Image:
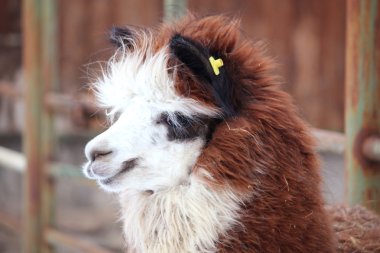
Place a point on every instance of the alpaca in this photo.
(205, 154)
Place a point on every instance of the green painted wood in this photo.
(39, 47)
(174, 9)
(32, 135)
(50, 74)
(362, 101)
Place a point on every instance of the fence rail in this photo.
(59, 238)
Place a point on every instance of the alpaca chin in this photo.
(185, 218)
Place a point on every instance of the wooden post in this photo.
(363, 102)
(50, 74)
(39, 47)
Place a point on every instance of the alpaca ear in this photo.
(121, 36)
(197, 58)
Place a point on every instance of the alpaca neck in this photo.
(185, 218)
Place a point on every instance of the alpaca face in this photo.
(158, 135)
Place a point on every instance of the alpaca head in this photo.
(212, 156)
(164, 100)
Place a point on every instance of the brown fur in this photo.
(357, 229)
(265, 153)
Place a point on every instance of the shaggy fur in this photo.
(264, 152)
(254, 185)
(357, 229)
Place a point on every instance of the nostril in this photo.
(98, 153)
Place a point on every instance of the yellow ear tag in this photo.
(216, 64)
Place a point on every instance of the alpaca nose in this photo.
(98, 148)
(96, 154)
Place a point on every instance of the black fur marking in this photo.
(196, 58)
(121, 36)
(183, 128)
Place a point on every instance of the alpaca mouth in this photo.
(126, 167)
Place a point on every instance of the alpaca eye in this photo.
(183, 121)
(176, 121)
(166, 120)
(169, 121)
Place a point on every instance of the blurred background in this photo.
(306, 38)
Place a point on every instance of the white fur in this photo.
(185, 218)
(165, 208)
(129, 76)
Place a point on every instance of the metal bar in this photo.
(329, 141)
(16, 161)
(72, 242)
(174, 9)
(362, 113)
(55, 102)
(12, 160)
(63, 103)
(371, 148)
